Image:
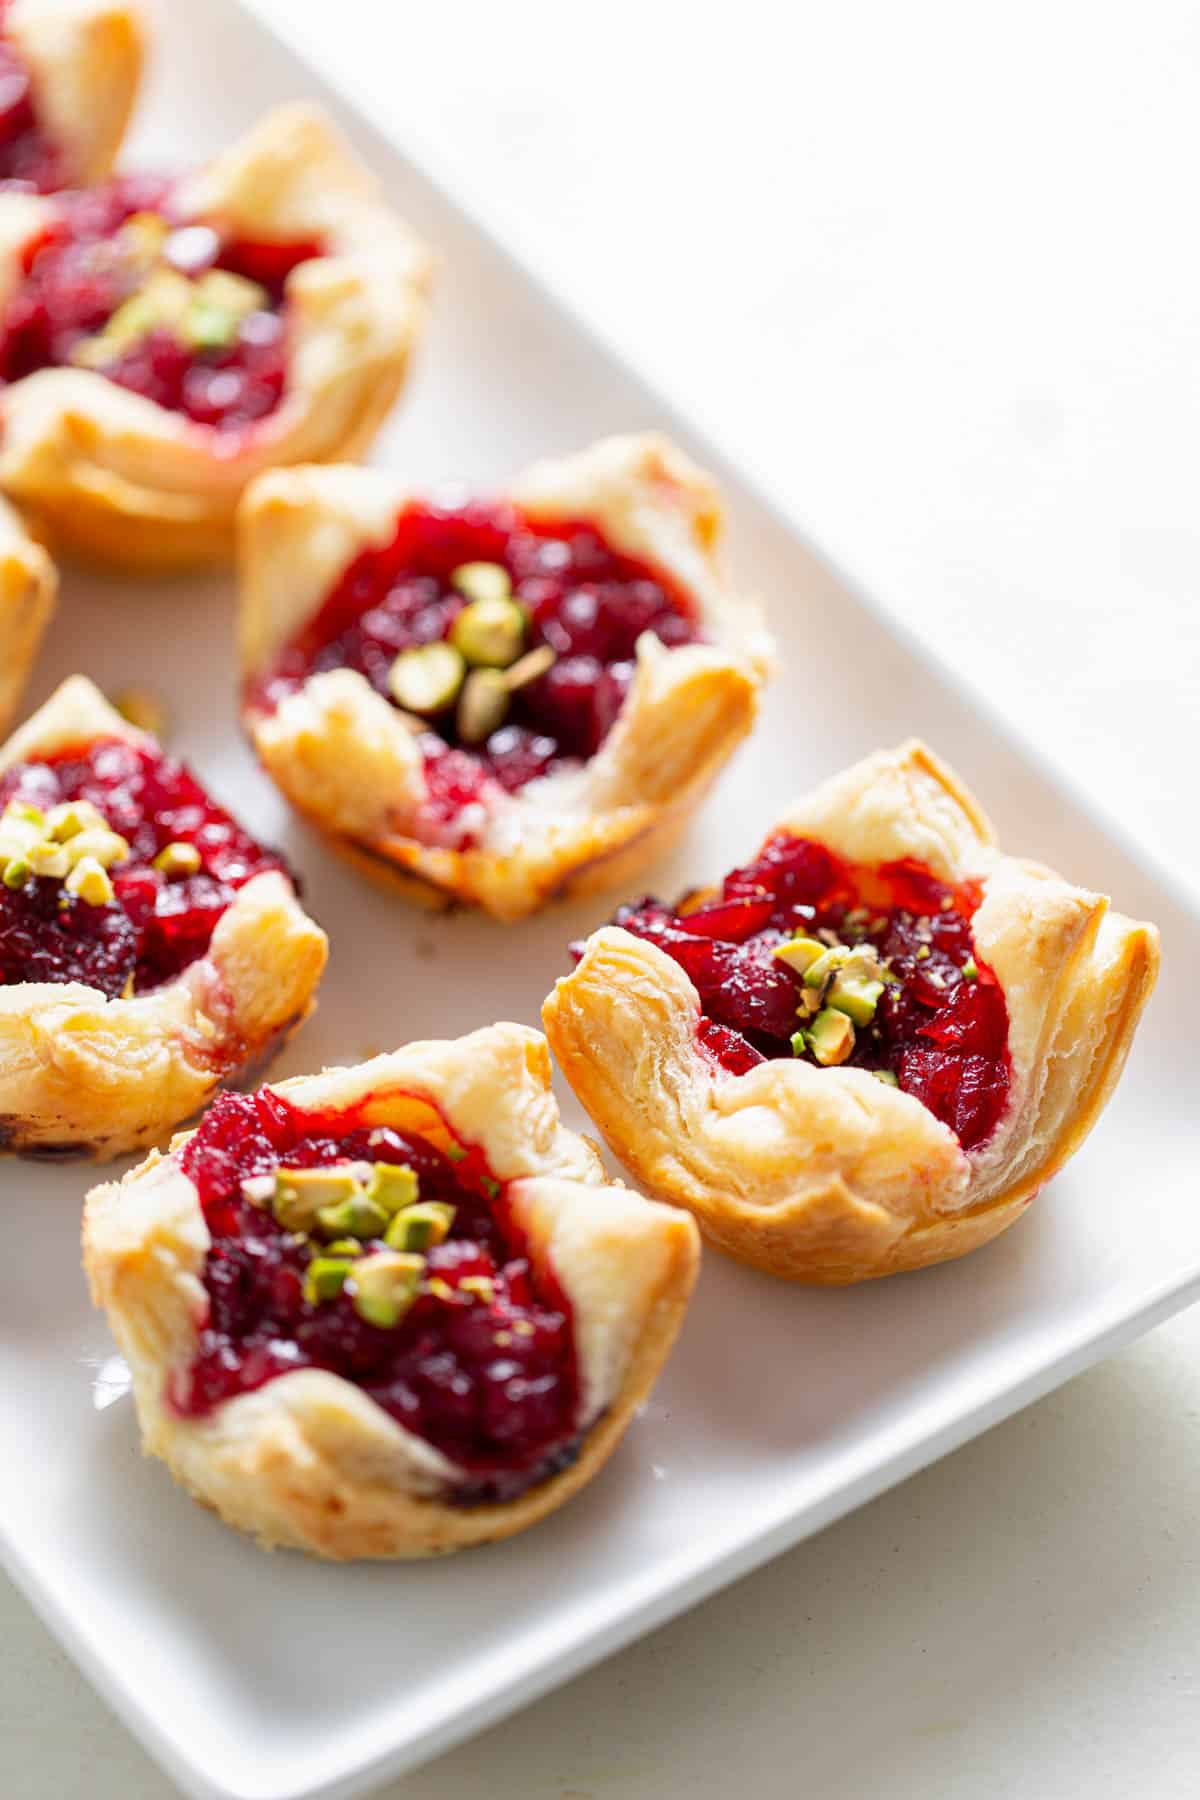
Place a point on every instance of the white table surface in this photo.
(931, 271)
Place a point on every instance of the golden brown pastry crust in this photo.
(84, 1074)
(825, 1174)
(120, 479)
(28, 590)
(344, 757)
(85, 60)
(309, 1461)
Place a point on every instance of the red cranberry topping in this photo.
(29, 162)
(941, 1024)
(583, 600)
(489, 1378)
(80, 271)
(157, 923)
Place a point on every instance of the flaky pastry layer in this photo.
(310, 1461)
(118, 478)
(86, 1075)
(346, 758)
(84, 59)
(825, 1174)
(28, 590)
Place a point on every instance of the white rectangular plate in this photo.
(260, 1678)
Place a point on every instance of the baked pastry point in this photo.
(149, 948)
(71, 70)
(28, 590)
(497, 701)
(163, 341)
(388, 1311)
(872, 1046)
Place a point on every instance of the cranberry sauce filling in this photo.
(174, 311)
(29, 162)
(896, 953)
(140, 905)
(478, 1358)
(537, 628)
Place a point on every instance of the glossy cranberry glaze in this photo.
(941, 1025)
(586, 601)
(76, 278)
(157, 924)
(490, 1383)
(29, 162)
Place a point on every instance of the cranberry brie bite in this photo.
(149, 948)
(28, 589)
(497, 700)
(872, 1045)
(69, 71)
(393, 1310)
(163, 340)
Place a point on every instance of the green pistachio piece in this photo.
(529, 668)
(385, 1285)
(17, 873)
(823, 966)
(970, 969)
(21, 813)
(301, 1195)
(107, 847)
(887, 1076)
(344, 1247)
(799, 1042)
(420, 1227)
(490, 633)
(67, 820)
(392, 1185)
(90, 881)
(491, 1188)
(427, 678)
(482, 705)
(799, 953)
(831, 1037)
(356, 1217)
(220, 301)
(482, 581)
(854, 996)
(325, 1277)
(178, 859)
(48, 859)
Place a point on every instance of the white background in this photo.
(930, 271)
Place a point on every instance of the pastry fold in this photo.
(82, 1074)
(28, 590)
(826, 1174)
(309, 1460)
(85, 60)
(120, 479)
(346, 758)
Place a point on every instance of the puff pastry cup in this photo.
(313, 1460)
(133, 981)
(28, 590)
(88, 447)
(611, 794)
(82, 61)
(804, 1164)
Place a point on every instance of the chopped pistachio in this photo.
(48, 859)
(799, 1043)
(855, 996)
(491, 1188)
(178, 859)
(427, 678)
(259, 1190)
(923, 953)
(89, 880)
(970, 969)
(392, 1185)
(344, 1247)
(831, 1037)
(107, 847)
(455, 1153)
(22, 813)
(420, 1227)
(482, 1286)
(355, 1217)
(325, 1277)
(301, 1194)
(482, 705)
(887, 1076)
(68, 819)
(528, 668)
(490, 633)
(482, 581)
(441, 1290)
(220, 301)
(17, 872)
(385, 1285)
(163, 301)
(822, 967)
(799, 953)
